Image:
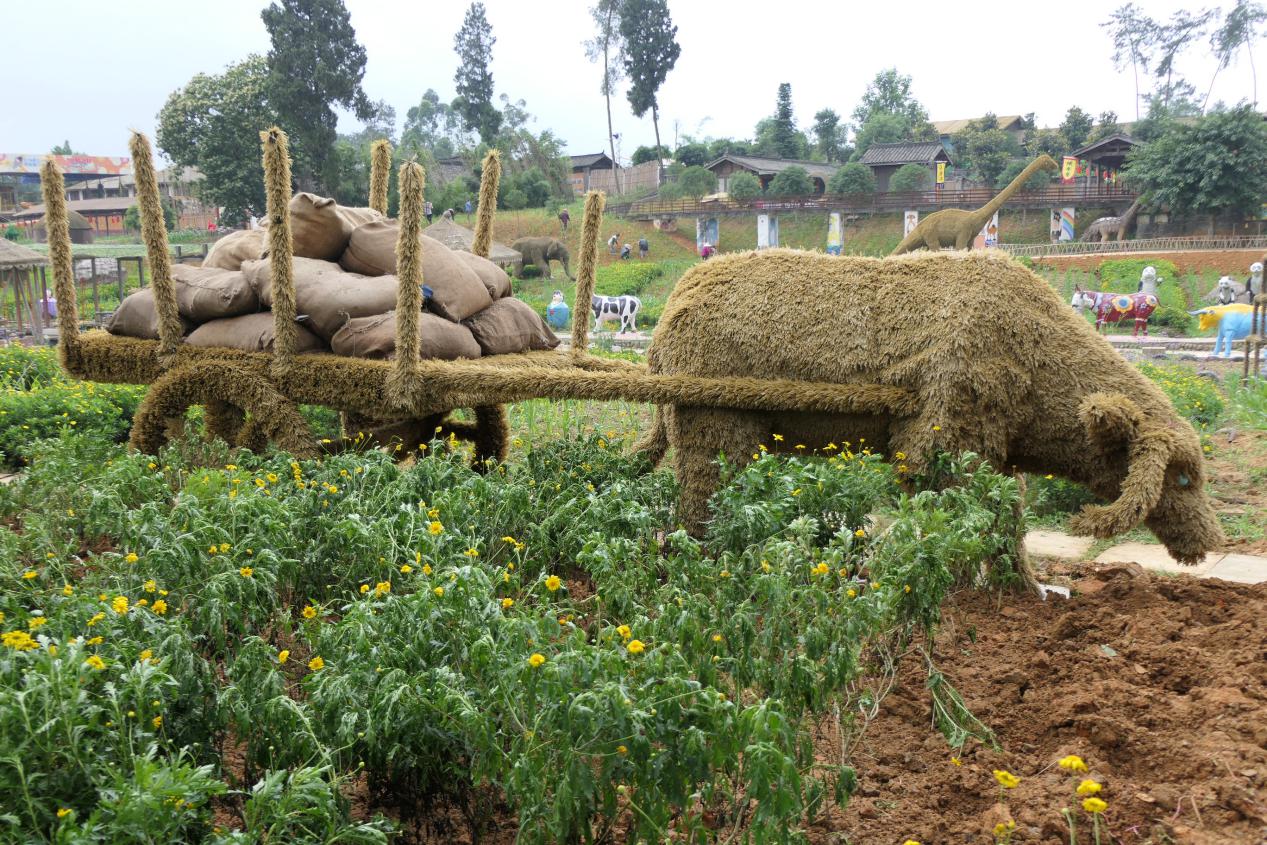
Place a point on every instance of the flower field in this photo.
(213, 646)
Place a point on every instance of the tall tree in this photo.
(608, 45)
(63, 149)
(829, 135)
(1132, 31)
(1076, 127)
(1172, 38)
(890, 93)
(433, 125)
(315, 64)
(1217, 165)
(1239, 29)
(651, 51)
(783, 130)
(474, 45)
(213, 124)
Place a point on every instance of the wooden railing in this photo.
(1141, 245)
(1054, 196)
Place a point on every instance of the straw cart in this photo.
(252, 399)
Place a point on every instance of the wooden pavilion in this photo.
(24, 280)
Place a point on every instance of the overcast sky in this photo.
(92, 70)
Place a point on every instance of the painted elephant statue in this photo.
(1232, 321)
(540, 252)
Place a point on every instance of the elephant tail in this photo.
(655, 441)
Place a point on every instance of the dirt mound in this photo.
(1160, 684)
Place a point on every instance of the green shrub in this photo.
(1037, 182)
(743, 185)
(12, 233)
(1196, 398)
(696, 181)
(910, 177)
(60, 406)
(793, 181)
(626, 278)
(1050, 496)
(853, 178)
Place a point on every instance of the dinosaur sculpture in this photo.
(954, 227)
(1103, 228)
(1032, 388)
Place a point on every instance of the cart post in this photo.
(380, 174)
(280, 246)
(57, 224)
(404, 374)
(490, 177)
(585, 273)
(154, 233)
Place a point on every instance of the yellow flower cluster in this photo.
(1006, 779)
(536, 660)
(1072, 763)
(18, 641)
(636, 647)
(553, 583)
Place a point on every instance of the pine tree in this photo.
(474, 46)
(651, 50)
(785, 139)
(315, 64)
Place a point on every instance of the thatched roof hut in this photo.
(17, 257)
(459, 237)
(22, 270)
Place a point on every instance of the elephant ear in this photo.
(1112, 421)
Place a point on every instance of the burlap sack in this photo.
(353, 216)
(326, 295)
(205, 293)
(510, 325)
(375, 337)
(457, 290)
(252, 332)
(494, 278)
(137, 316)
(320, 228)
(229, 252)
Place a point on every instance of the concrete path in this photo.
(1244, 569)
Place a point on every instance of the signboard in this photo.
(1066, 224)
(834, 239)
(1068, 170)
(909, 221)
(767, 231)
(70, 165)
(1055, 225)
(706, 232)
(941, 173)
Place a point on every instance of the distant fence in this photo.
(1176, 244)
(1053, 196)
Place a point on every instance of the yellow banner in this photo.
(1069, 169)
(941, 173)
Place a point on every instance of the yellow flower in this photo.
(29, 574)
(283, 655)
(1094, 805)
(68, 590)
(145, 655)
(907, 588)
(1004, 828)
(851, 593)
(624, 632)
(224, 547)
(36, 621)
(955, 761)
(365, 588)
(120, 605)
(620, 749)
(472, 553)
(1088, 787)
(96, 641)
(435, 527)
(150, 586)
(507, 604)
(18, 641)
(636, 647)
(95, 662)
(765, 566)
(246, 571)
(553, 583)
(536, 660)
(211, 550)
(406, 569)
(910, 842)
(936, 428)
(820, 569)
(1006, 779)
(382, 588)
(778, 437)
(157, 721)
(1072, 763)
(725, 573)
(426, 569)
(309, 612)
(160, 607)
(1049, 476)
(66, 811)
(860, 533)
(439, 591)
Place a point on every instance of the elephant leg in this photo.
(567, 271)
(698, 435)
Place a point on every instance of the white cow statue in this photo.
(623, 308)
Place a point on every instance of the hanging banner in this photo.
(1068, 170)
(706, 232)
(1066, 224)
(834, 239)
(909, 221)
(941, 173)
(767, 231)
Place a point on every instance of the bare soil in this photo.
(1230, 261)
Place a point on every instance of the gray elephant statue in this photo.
(540, 252)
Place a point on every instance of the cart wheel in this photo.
(229, 394)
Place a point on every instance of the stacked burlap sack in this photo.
(345, 293)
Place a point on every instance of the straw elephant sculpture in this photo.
(1034, 389)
